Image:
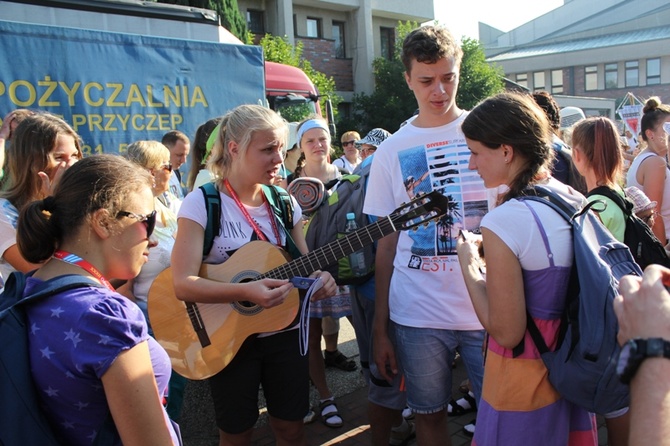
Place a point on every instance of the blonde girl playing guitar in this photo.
(247, 155)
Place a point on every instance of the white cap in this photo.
(570, 116)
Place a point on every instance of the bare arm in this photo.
(384, 353)
(643, 311)
(133, 399)
(651, 175)
(499, 301)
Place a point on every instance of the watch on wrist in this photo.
(635, 351)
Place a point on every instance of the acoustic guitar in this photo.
(203, 338)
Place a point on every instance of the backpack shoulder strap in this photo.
(57, 285)
(624, 204)
(282, 205)
(213, 206)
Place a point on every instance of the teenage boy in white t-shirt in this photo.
(419, 286)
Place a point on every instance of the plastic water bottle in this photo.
(356, 259)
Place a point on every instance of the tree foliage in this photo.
(392, 102)
(279, 49)
(228, 10)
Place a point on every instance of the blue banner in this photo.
(118, 88)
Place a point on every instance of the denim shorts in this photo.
(427, 355)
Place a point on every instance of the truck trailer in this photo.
(124, 70)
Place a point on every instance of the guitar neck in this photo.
(333, 251)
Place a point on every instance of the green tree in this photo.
(279, 49)
(479, 80)
(392, 102)
(228, 11)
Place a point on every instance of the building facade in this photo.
(589, 49)
(340, 38)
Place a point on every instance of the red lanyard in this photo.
(74, 259)
(251, 221)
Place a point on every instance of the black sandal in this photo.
(455, 409)
(337, 359)
(328, 418)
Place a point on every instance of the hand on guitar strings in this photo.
(329, 287)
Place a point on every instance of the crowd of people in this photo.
(122, 220)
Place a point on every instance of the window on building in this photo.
(522, 79)
(338, 38)
(591, 78)
(538, 81)
(653, 71)
(387, 42)
(557, 81)
(255, 21)
(313, 27)
(611, 76)
(632, 73)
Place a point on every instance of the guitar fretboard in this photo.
(333, 251)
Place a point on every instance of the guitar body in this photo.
(227, 325)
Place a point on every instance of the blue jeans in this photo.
(427, 355)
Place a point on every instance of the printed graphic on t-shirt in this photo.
(442, 166)
(237, 232)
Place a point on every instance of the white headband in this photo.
(309, 125)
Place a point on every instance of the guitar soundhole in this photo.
(245, 307)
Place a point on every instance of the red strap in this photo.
(74, 259)
(251, 221)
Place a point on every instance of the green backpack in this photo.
(280, 202)
(328, 222)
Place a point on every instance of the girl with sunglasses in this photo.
(248, 154)
(97, 224)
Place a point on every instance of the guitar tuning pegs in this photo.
(415, 229)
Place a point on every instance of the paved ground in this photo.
(199, 429)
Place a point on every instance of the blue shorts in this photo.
(427, 355)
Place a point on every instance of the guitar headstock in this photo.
(420, 211)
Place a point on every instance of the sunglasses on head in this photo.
(149, 220)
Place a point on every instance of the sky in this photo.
(462, 17)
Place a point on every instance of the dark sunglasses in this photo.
(347, 143)
(149, 220)
(167, 167)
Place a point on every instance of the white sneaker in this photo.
(310, 417)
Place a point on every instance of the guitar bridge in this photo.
(198, 325)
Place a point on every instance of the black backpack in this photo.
(564, 169)
(22, 421)
(645, 247)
